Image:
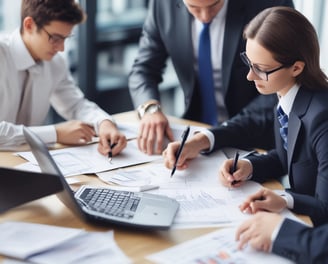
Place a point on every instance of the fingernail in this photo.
(82, 141)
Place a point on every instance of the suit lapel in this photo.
(232, 34)
(299, 109)
(184, 40)
(295, 123)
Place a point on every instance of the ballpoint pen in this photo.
(234, 167)
(183, 141)
(110, 153)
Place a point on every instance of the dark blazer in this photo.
(167, 33)
(302, 244)
(306, 159)
(251, 128)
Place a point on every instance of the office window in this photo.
(9, 15)
(316, 12)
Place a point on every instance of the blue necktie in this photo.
(205, 71)
(283, 120)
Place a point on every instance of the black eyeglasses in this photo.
(55, 39)
(263, 75)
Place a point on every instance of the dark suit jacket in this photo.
(306, 160)
(251, 128)
(302, 244)
(167, 33)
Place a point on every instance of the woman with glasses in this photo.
(282, 52)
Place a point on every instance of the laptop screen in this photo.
(48, 165)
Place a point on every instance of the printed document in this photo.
(216, 247)
(87, 159)
(46, 244)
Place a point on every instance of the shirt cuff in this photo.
(288, 198)
(210, 137)
(46, 133)
(98, 122)
(251, 175)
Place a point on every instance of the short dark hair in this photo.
(290, 37)
(44, 12)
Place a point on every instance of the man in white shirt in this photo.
(30, 55)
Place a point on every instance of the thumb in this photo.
(257, 205)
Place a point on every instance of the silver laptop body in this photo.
(142, 210)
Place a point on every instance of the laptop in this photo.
(105, 205)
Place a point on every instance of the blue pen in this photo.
(184, 139)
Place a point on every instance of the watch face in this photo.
(152, 109)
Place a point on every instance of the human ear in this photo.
(28, 24)
(297, 68)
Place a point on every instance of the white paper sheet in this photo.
(86, 248)
(87, 159)
(202, 171)
(216, 247)
(204, 202)
(215, 206)
(45, 244)
(19, 239)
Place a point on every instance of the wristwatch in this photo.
(149, 107)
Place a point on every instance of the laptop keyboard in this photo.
(110, 202)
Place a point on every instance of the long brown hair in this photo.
(290, 37)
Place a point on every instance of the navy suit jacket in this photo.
(306, 159)
(302, 244)
(167, 33)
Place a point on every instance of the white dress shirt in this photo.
(52, 86)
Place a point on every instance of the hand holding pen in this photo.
(184, 139)
(110, 153)
(235, 171)
(108, 134)
(234, 168)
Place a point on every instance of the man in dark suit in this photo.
(171, 31)
(285, 237)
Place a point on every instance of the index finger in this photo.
(253, 197)
(87, 131)
(227, 166)
(169, 133)
(159, 138)
(239, 233)
(171, 150)
(256, 196)
(118, 145)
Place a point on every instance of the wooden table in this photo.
(134, 243)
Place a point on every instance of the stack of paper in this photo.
(47, 244)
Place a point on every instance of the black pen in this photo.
(183, 141)
(110, 153)
(234, 167)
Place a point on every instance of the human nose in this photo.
(251, 75)
(60, 46)
(205, 16)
